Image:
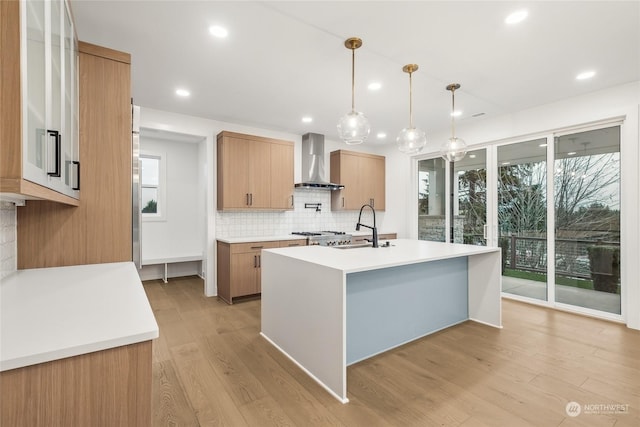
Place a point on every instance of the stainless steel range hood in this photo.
(313, 164)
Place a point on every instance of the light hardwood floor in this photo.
(210, 367)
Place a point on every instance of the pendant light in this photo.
(353, 127)
(454, 149)
(411, 140)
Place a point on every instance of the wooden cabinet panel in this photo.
(254, 172)
(110, 387)
(244, 274)
(260, 175)
(294, 242)
(376, 172)
(234, 167)
(363, 176)
(238, 270)
(99, 229)
(282, 176)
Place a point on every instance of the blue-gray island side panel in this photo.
(392, 306)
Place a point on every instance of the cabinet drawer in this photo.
(238, 248)
(296, 242)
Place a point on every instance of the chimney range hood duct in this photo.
(313, 164)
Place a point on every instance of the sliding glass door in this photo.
(522, 217)
(552, 204)
(586, 186)
(470, 201)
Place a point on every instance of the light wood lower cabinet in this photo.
(239, 266)
(104, 388)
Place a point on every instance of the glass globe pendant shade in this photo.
(454, 149)
(411, 140)
(353, 128)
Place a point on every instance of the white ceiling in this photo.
(284, 60)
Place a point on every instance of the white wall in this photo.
(8, 241)
(180, 231)
(620, 101)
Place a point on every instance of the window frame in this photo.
(161, 214)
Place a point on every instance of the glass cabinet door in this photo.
(34, 88)
(69, 129)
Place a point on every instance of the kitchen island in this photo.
(329, 307)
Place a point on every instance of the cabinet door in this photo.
(244, 273)
(34, 103)
(70, 151)
(376, 175)
(234, 164)
(281, 176)
(351, 197)
(260, 175)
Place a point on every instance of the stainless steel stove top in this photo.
(325, 238)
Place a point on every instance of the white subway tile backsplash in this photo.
(8, 231)
(247, 224)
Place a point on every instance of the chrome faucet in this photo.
(374, 229)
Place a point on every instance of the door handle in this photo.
(76, 184)
(343, 202)
(255, 261)
(53, 135)
(259, 261)
(250, 199)
(292, 200)
(246, 195)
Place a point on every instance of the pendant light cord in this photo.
(453, 110)
(410, 101)
(353, 79)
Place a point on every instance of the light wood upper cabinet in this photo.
(254, 172)
(98, 230)
(281, 175)
(363, 176)
(39, 135)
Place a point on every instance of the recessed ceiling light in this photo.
(506, 163)
(307, 119)
(472, 156)
(182, 92)
(585, 75)
(457, 113)
(571, 153)
(543, 145)
(374, 86)
(381, 135)
(516, 17)
(218, 31)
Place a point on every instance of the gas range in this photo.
(325, 238)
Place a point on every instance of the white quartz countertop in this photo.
(260, 238)
(53, 313)
(248, 239)
(401, 252)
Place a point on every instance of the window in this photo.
(152, 187)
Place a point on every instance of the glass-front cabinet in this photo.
(48, 55)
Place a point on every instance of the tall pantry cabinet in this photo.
(99, 229)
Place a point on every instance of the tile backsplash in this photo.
(8, 248)
(265, 223)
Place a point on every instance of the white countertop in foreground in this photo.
(53, 313)
(402, 252)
